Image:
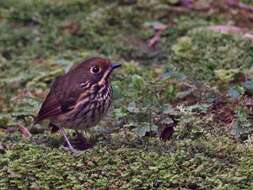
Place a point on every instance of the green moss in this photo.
(247, 2)
(204, 162)
(202, 52)
(39, 40)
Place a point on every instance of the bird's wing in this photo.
(61, 98)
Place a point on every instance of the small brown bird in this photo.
(79, 99)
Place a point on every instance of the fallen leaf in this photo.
(167, 128)
(159, 28)
(248, 102)
(240, 5)
(24, 131)
(249, 36)
(186, 3)
(222, 110)
(2, 149)
(233, 3)
(193, 5)
(167, 133)
(226, 29)
(154, 40)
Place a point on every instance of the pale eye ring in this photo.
(95, 69)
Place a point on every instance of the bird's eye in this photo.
(95, 69)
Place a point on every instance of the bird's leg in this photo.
(62, 131)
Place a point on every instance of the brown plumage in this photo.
(79, 98)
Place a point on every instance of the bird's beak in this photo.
(108, 73)
(115, 66)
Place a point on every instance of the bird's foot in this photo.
(71, 149)
(69, 145)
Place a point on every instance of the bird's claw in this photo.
(71, 149)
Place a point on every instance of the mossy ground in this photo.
(200, 78)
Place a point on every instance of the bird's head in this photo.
(97, 70)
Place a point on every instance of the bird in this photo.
(79, 98)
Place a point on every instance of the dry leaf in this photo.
(239, 5)
(231, 30)
(159, 28)
(24, 131)
(2, 149)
